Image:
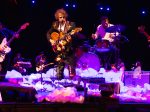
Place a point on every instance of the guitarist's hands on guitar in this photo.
(94, 36)
(59, 40)
(40, 68)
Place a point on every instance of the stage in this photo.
(104, 105)
(21, 98)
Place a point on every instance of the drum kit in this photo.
(103, 48)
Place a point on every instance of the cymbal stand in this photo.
(117, 47)
(41, 79)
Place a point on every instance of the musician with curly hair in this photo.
(60, 36)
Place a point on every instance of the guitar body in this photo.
(41, 67)
(62, 39)
(2, 57)
(60, 45)
(5, 50)
(4, 46)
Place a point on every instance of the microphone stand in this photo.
(41, 78)
(117, 47)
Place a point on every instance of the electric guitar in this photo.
(5, 44)
(61, 39)
(41, 67)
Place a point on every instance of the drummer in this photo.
(105, 33)
(101, 30)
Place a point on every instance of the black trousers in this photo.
(66, 60)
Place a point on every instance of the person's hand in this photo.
(52, 41)
(94, 36)
(68, 38)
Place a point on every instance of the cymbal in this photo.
(121, 39)
(115, 28)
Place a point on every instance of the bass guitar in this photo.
(5, 44)
(61, 39)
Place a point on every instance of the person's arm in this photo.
(8, 31)
(49, 38)
(50, 31)
(96, 34)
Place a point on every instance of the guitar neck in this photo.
(70, 33)
(48, 64)
(13, 37)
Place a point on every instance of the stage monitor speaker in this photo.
(16, 93)
(108, 89)
(99, 80)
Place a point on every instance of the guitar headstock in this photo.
(24, 26)
(76, 30)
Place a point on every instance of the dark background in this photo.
(14, 13)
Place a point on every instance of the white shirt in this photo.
(61, 27)
(105, 35)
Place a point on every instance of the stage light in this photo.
(33, 1)
(107, 8)
(101, 8)
(66, 4)
(73, 5)
(143, 12)
(70, 5)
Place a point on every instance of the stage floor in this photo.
(91, 103)
(104, 105)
